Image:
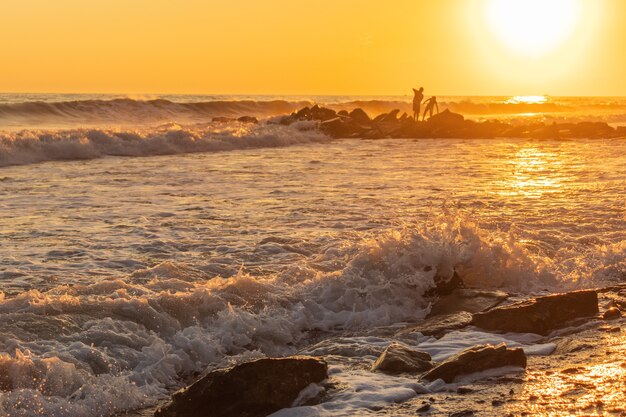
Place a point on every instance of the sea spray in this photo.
(122, 344)
(31, 146)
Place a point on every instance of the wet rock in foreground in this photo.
(252, 389)
(398, 358)
(467, 299)
(439, 325)
(539, 315)
(477, 359)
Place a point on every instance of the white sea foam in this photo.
(31, 146)
(135, 339)
(358, 391)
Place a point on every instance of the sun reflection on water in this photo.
(594, 388)
(534, 172)
(527, 100)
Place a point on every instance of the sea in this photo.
(142, 243)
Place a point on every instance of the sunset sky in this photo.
(364, 47)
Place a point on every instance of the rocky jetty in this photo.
(358, 124)
(252, 389)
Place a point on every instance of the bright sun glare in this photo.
(533, 27)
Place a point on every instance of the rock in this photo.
(445, 285)
(398, 358)
(252, 389)
(391, 117)
(322, 113)
(359, 116)
(445, 125)
(464, 413)
(248, 119)
(612, 314)
(339, 346)
(466, 299)
(223, 119)
(340, 128)
(303, 114)
(476, 359)
(592, 130)
(539, 315)
(423, 408)
(447, 120)
(439, 325)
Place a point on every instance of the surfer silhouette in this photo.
(430, 104)
(417, 102)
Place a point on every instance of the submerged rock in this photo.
(539, 315)
(248, 119)
(467, 299)
(398, 358)
(445, 285)
(476, 359)
(612, 314)
(439, 325)
(252, 389)
(221, 119)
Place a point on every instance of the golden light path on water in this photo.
(527, 100)
(535, 172)
(583, 385)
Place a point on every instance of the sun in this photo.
(533, 27)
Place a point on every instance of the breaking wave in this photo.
(128, 111)
(123, 344)
(31, 146)
(123, 111)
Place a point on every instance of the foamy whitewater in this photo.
(141, 242)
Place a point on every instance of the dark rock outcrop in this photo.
(446, 124)
(447, 120)
(467, 299)
(477, 359)
(398, 358)
(341, 128)
(539, 315)
(439, 325)
(252, 389)
(445, 285)
(248, 119)
(612, 314)
(390, 117)
(221, 119)
(359, 116)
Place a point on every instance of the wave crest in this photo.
(31, 146)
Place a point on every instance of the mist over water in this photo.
(122, 276)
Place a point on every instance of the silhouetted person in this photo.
(417, 102)
(430, 104)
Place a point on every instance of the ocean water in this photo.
(140, 242)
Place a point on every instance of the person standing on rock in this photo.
(430, 104)
(418, 96)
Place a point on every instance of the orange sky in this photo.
(364, 47)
